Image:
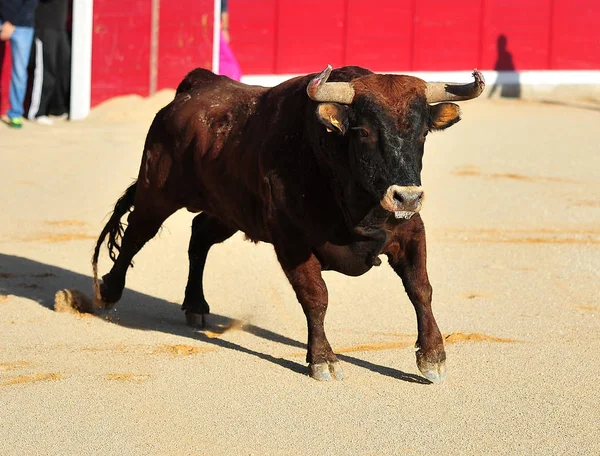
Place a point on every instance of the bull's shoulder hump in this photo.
(201, 80)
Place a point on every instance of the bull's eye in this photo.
(363, 132)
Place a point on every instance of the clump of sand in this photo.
(181, 350)
(72, 301)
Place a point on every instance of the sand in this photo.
(513, 220)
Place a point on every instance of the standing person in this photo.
(16, 22)
(228, 64)
(52, 74)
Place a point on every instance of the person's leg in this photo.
(48, 39)
(59, 103)
(20, 43)
(37, 76)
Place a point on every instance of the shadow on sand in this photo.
(39, 282)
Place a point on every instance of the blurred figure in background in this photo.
(16, 25)
(508, 78)
(52, 74)
(228, 64)
(225, 21)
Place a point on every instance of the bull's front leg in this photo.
(407, 254)
(303, 270)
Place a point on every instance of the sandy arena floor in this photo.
(513, 219)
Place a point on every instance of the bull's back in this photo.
(206, 135)
(196, 78)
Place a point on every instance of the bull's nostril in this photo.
(400, 199)
(409, 200)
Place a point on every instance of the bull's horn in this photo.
(444, 91)
(333, 92)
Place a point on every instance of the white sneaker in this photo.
(44, 120)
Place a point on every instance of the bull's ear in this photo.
(334, 116)
(444, 115)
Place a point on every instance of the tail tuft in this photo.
(114, 230)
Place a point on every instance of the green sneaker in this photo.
(17, 122)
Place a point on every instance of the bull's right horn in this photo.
(444, 91)
(319, 89)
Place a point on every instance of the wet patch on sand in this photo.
(27, 182)
(66, 231)
(182, 350)
(397, 345)
(34, 378)
(13, 365)
(64, 223)
(175, 350)
(115, 348)
(475, 295)
(592, 308)
(395, 335)
(51, 238)
(7, 275)
(522, 177)
(122, 377)
(30, 286)
(474, 171)
(586, 203)
(467, 170)
(475, 337)
(409, 341)
(43, 275)
(521, 236)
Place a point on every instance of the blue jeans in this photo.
(20, 48)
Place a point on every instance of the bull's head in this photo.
(385, 119)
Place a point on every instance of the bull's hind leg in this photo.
(305, 276)
(206, 231)
(407, 254)
(143, 224)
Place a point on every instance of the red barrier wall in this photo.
(185, 39)
(392, 31)
(120, 49)
(444, 39)
(575, 34)
(122, 44)
(286, 36)
(256, 32)
(526, 25)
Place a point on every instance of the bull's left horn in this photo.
(445, 91)
(333, 92)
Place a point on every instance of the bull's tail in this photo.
(114, 230)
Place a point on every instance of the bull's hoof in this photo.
(336, 370)
(325, 372)
(102, 299)
(108, 292)
(432, 366)
(195, 320)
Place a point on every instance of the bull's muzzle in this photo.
(403, 201)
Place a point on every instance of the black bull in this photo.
(327, 172)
